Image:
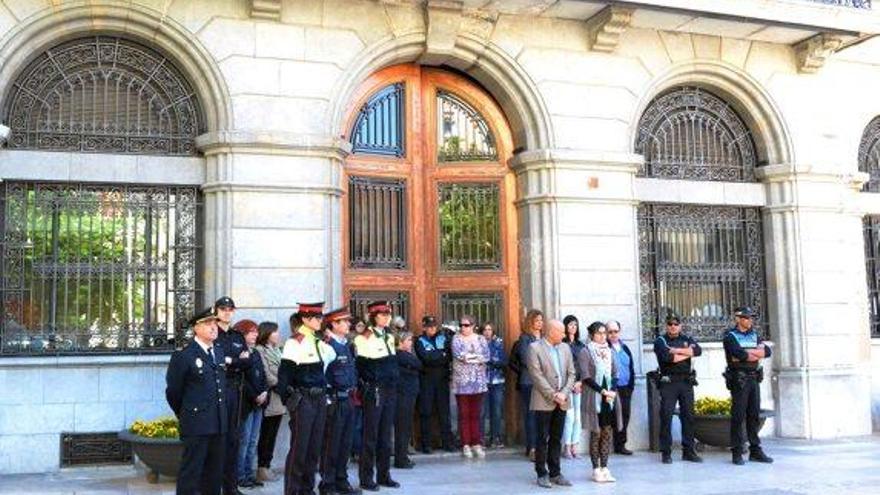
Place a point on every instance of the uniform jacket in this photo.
(195, 389)
(304, 362)
(735, 345)
(233, 344)
(435, 353)
(341, 373)
(545, 379)
(410, 367)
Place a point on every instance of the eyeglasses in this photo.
(673, 324)
(465, 324)
(613, 331)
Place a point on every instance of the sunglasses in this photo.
(673, 324)
(465, 324)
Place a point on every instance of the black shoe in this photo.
(758, 455)
(390, 483)
(450, 448)
(236, 491)
(691, 456)
(407, 464)
(326, 490)
(370, 487)
(256, 482)
(426, 449)
(346, 489)
(623, 451)
(738, 459)
(666, 458)
(246, 484)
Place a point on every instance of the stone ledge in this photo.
(84, 361)
(583, 159)
(212, 187)
(274, 142)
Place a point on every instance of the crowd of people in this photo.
(353, 387)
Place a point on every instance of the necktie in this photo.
(211, 355)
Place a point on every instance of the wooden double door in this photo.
(428, 218)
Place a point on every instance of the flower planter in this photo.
(714, 429)
(162, 456)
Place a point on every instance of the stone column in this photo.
(817, 299)
(272, 221)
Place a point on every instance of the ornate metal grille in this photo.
(82, 449)
(462, 133)
(484, 306)
(470, 227)
(700, 262)
(377, 222)
(399, 302)
(103, 94)
(869, 155)
(872, 259)
(856, 4)
(380, 127)
(692, 134)
(97, 268)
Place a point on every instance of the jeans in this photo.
(571, 434)
(247, 450)
(493, 405)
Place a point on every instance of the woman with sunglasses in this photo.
(470, 353)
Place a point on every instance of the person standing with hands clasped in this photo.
(600, 406)
(470, 353)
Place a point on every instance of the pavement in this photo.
(837, 467)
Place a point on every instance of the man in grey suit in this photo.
(551, 368)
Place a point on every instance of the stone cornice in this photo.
(223, 186)
(606, 27)
(802, 172)
(274, 143)
(813, 52)
(266, 9)
(581, 159)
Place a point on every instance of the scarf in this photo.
(273, 355)
(602, 357)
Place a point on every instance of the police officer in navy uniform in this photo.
(342, 382)
(744, 350)
(674, 351)
(195, 383)
(378, 374)
(302, 384)
(237, 361)
(434, 350)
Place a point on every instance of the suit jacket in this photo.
(195, 388)
(545, 380)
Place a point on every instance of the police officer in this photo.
(378, 373)
(195, 383)
(744, 350)
(237, 361)
(434, 350)
(674, 351)
(342, 382)
(302, 385)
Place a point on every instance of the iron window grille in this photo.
(91, 268)
(377, 222)
(856, 4)
(462, 133)
(485, 307)
(872, 259)
(103, 94)
(91, 449)
(380, 127)
(700, 262)
(689, 133)
(869, 155)
(359, 300)
(470, 226)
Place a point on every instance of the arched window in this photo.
(103, 94)
(869, 161)
(380, 127)
(869, 155)
(691, 134)
(462, 133)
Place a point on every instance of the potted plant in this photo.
(157, 444)
(712, 421)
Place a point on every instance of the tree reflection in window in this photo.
(462, 133)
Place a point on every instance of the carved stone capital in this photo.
(266, 9)
(813, 52)
(606, 27)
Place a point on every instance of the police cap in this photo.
(206, 314)
(225, 302)
(744, 312)
(429, 321)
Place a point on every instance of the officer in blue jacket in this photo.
(744, 350)
(434, 350)
(342, 381)
(195, 383)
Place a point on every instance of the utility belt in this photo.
(342, 394)
(373, 390)
(297, 394)
(738, 377)
(690, 378)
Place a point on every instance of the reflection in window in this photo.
(380, 125)
(470, 227)
(462, 133)
(485, 307)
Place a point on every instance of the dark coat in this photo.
(410, 367)
(254, 383)
(195, 389)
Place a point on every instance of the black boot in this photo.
(738, 458)
(690, 455)
(388, 482)
(666, 458)
(758, 455)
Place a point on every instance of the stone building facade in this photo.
(637, 157)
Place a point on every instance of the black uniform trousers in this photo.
(306, 436)
(548, 435)
(338, 439)
(434, 402)
(620, 438)
(403, 426)
(233, 436)
(745, 407)
(682, 392)
(202, 466)
(379, 410)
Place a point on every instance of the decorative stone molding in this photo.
(444, 23)
(813, 52)
(277, 143)
(266, 9)
(606, 27)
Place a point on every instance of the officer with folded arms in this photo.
(195, 383)
(744, 350)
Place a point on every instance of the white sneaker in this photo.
(478, 450)
(598, 475)
(608, 477)
(466, 451)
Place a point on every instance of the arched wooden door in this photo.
(428, 218)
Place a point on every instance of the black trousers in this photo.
(625, 395)
(202, 465)
(379, 410)
(306, 437)
(681, 392)
(433, 402)
(745, 408)
(338, 437)
(233, 438)
(266, 444)
(548, 435)
(403, 426)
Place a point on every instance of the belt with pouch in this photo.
(312, 392)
